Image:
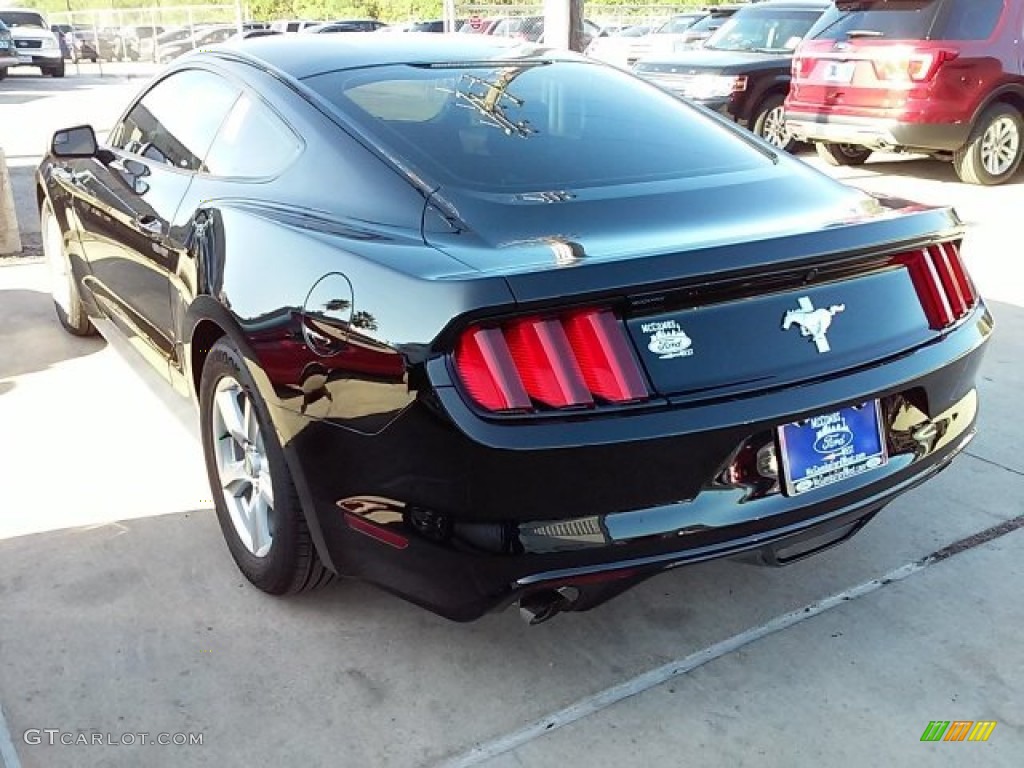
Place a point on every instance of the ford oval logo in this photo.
(833, 441)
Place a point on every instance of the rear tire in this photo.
(257, 505)
(67, 301)
(993, 153)
(838, 155)
(769, 123)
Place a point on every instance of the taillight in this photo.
(910, 66)
(941, 282)
(576, 360)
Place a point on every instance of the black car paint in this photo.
(348, 338)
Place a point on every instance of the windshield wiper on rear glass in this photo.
(864, 33)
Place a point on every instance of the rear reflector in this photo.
(941, 282)
(553, 362)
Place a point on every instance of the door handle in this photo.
(151, 225)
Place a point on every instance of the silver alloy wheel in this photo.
(243, 467)
(773, 129)
(56, 262)
(1000, 145)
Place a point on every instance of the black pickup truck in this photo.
(743, 70)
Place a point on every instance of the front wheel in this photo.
(842, 154)
(257, 506)
(55, 71)
(67, 301)
(770, 123)
(993, 153)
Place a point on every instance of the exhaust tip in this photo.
(538, 607)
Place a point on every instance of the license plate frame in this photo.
(832, 447)
(24, 58)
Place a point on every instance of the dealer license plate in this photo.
(839, 71)
(832, 447)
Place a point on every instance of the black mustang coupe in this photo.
(488, 323)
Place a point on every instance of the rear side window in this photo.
(529, 126)
(253, 143)
(910, 20)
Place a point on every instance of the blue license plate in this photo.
(832, 447)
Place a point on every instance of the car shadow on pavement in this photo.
(916, 167)
(31, 338)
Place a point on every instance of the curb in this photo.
(10, 238)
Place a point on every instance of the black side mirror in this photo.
(79, 141)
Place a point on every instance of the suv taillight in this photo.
(913, 66)
(941, 282)
(575, 360)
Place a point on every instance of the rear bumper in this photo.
(877, 133)
(463, 516)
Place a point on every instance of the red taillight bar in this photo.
(546, 363)
(942, 284)
(488, 371)
(559, 362)
(605, 357)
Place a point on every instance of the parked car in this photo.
(347, 25)
(293, 25)
(85, 43)
(743, 69)
(34, 44)
(63, 33)
(524, 353)
(127, 43)
(149, 48)
(8, 56)
(695, 35)
(206, 36)
(532, 28)
(939, 77)
(628, 47)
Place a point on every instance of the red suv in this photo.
(940, 77)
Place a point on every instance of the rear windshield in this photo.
(909, 20)
(529, 126)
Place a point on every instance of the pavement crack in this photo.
(1011, 470)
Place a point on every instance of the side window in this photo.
(972, 19)
(253, 143)
(161, 128)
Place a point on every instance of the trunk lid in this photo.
(726, 287)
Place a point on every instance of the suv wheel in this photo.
(993, 153)
(842, 154)
(257, 505)
(770, 123)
